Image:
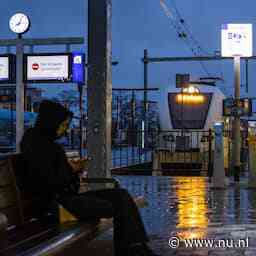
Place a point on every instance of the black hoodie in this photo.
(47, 172)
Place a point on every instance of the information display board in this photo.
(41, 68)
(4, 68)
(7, 69)
(236, 40)
(78, 67)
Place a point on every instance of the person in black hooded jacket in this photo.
(49, 175)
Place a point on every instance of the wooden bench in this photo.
(23, 231)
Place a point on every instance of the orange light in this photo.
(189, 98)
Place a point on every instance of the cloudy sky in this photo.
(140, 24)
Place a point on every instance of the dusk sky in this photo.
(140, 24)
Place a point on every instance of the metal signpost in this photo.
(20, 104)
(236, 42)
(78, 71)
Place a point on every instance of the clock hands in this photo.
(17, 24)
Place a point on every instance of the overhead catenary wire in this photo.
(201, 50)
(184, 33)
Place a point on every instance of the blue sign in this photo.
(78, 67)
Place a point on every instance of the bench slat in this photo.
(40, 240)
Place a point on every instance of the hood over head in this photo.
(51, 114)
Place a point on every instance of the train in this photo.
(192, 113)
(187, 114)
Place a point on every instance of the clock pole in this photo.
(19, 92)
(19, 23)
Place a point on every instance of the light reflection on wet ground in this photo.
(187, 208)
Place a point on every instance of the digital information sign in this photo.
(236, 40)
(4, 68)
(7, 69)
(78, 67)
(48, 68)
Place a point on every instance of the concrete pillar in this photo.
(218, 178)
(99, 90)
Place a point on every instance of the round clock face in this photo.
(19, 23)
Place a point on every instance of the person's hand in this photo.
(79, 165)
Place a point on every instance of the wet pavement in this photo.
(186, 216)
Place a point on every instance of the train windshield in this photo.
(189, 111)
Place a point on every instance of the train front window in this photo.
(187, 113)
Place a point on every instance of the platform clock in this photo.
(19, 23)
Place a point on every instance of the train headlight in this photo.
(190, 95)
(189, 98)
